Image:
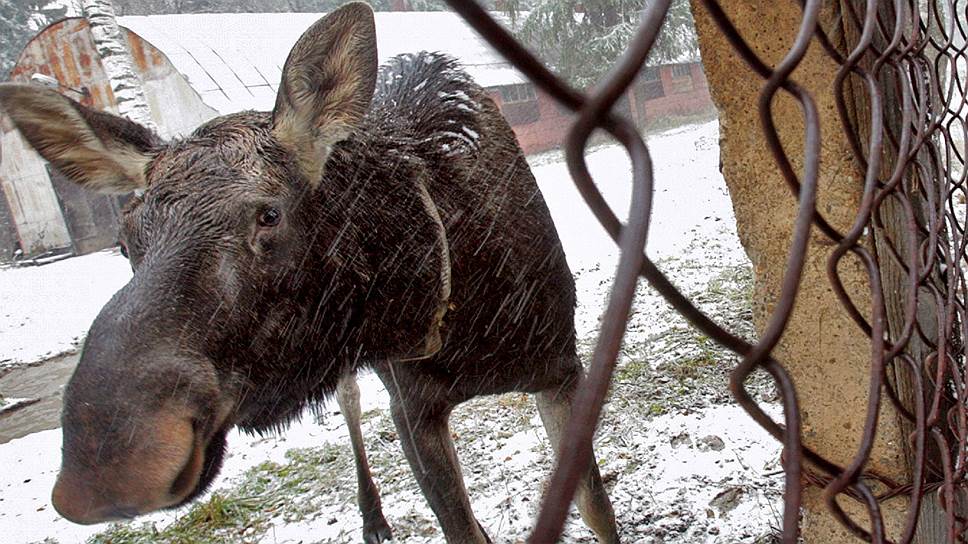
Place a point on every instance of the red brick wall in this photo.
(683, 96)
(547, 132)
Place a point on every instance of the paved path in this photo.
(44, 382)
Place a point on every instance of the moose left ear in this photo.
(327, 84)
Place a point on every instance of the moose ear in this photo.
(96, 150)
(327, 85)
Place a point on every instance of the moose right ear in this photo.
(327, 85)
(98, 151)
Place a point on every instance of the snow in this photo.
(690, 202)
(47, 309)
(702, 475)
(679, 470)
(12, 403)
(690, 195)
(117, 63)
(668, 460)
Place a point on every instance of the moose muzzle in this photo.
(144, 423)
(156, 473)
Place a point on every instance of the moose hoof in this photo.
(377, 533)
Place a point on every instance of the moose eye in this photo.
(269, 217)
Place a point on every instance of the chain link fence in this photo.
(906, 61)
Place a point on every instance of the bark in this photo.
(932, 523)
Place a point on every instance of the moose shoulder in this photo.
(381, 218)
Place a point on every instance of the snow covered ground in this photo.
(46, 310)
(682, 464)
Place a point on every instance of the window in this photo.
(681, 78)
(681, 70)
(651, 86)
(518, 93)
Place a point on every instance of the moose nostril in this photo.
(187, 478)
(123, 512)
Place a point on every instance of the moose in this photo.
(380, 218)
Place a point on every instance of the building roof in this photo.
(234, 60)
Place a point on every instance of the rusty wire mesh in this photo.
(909, 58)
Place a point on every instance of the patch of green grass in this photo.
(370, 414)
(677, 366)
(702, 354)
(680, 352)
(732, 283)
(264, 492)
(633, 371)
(127, 534)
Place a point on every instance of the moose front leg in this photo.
(375, 527)
(425, 437)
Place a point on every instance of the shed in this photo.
(46, 212)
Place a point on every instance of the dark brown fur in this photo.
(423, 250)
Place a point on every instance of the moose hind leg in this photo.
(425, 437)
(592, 500)
(375, 527)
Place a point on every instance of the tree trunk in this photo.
(932, 525)
(112, 47)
